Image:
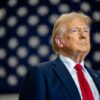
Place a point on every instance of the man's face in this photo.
(77, 37)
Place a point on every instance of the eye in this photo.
(75, 30)
(86, 30)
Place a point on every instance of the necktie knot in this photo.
(78, 67)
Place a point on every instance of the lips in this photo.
(84, 43)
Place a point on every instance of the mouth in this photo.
(84, 43)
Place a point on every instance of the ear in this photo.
(59, 41)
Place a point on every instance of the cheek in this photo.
(88, 41)
(88, 46)
(70, 42)
(74, 42)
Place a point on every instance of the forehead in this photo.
(77, 22)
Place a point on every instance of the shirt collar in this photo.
(69, 63)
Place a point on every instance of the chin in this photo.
(84, 50)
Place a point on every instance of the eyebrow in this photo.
(81, 28)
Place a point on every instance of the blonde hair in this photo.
(60, 25)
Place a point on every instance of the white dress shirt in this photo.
(70, 64)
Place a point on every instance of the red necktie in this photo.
(84, 86)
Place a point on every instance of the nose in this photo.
(82, 33)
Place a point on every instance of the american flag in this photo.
(25, 36)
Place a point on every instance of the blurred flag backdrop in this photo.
(25, 30)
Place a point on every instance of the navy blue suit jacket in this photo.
(52, 81)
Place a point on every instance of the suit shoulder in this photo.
(42, 66)
(45, 64)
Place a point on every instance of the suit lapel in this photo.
(66, 78)
(94, 77)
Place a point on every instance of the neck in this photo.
(76, 57)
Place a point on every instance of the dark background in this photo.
(25, 30)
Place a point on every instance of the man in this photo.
(61, 79)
